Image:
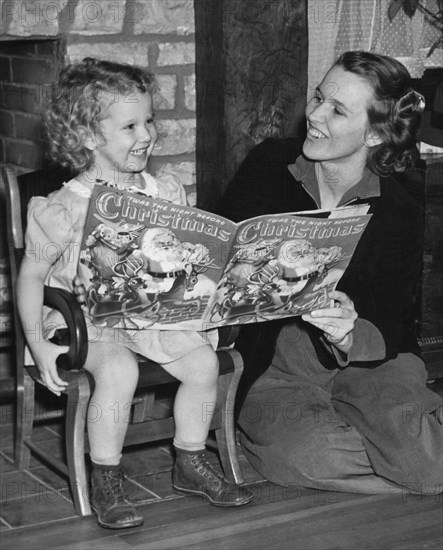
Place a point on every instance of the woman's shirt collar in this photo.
(303, 170)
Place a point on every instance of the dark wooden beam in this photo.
(251, 67)
(210, 86)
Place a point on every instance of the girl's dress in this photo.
(54, 235)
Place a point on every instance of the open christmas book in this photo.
(149, 263)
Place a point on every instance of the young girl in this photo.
(101, 125)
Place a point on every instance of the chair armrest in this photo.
(227, 335)
(66, 303)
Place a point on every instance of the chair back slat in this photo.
(11, 192)
(15, 247)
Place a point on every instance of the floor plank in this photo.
(351, 522)
(37, 512)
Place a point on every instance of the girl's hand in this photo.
(79, 290)
(45, 359)
(337, 323)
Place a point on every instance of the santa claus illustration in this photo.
(301, 263)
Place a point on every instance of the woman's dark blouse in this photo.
(382, 275)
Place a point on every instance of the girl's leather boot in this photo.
(192, 474)
(108, 499)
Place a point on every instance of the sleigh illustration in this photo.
(261, 303)
(131, 303)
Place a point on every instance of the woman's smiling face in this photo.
(337, 119)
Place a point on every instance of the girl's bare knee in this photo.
(206, 365)
(199, 368)
(112, 361)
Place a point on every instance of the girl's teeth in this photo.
(138, 152)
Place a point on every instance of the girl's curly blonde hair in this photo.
(83, 92)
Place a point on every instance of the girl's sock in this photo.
(107, 461)
(189, 446)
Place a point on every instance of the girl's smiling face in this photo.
(129, 135)
(337, 119)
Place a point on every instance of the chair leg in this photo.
(143, 407)
(225, 435)
(24, 420)
(76, 412)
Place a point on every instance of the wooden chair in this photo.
(143, 428)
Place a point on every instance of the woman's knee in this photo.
(301, 461)
(303, 449)
(426, 479)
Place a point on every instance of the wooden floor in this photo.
(37, 512)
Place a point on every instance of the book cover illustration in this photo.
(149, 263)
(283, 266)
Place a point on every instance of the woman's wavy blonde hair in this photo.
(83, 92)
(394, 114)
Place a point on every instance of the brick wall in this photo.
(158, 34)
(26, 68)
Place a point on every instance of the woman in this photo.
(344, 404)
